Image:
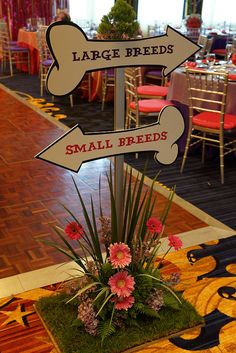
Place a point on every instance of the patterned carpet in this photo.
(199, 184)
(207, 279)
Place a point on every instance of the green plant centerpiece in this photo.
(119, 23)
(121, 293)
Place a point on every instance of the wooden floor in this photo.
(31, 190)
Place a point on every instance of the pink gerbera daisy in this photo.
(119, 255)
(74, 230)
(175, 241)
(122, 284)
(154, 225)
(124, 303)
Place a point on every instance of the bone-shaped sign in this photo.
(74, 54)
(75, 147)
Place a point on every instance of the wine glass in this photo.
(28, 24)
(228, 52)
(210, 59)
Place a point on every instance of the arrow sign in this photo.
(74, 54)
(75, 147)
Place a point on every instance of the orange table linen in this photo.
(28, 40)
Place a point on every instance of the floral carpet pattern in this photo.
(208, 280)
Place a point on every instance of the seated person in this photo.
(62, 16)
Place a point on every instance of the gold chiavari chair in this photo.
(208, 121)
(148, 91)
(11, 52)
(135, 107)
(108, 80)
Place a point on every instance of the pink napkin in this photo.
(190, 64)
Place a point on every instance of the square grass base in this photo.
(59, 320)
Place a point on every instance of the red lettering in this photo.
(148, 137)
(121, 141)
(91, 147)
(100, 146)
(108, 144)
(156, 136)
(69, 149)
(130, 140)
(164, 135)
(139, 139)
(78, 148)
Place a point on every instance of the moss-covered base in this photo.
(59, 318)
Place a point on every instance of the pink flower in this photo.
(74, 230)
(175, 241)
(121, 284)
(119, 255)
(154, 225)
(124, 303)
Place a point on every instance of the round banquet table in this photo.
(178, 94)
(178, 91)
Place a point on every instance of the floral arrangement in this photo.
(119, 23)
(121, 280)
(193, 21)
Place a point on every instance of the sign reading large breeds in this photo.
(74, 148)
(74, 54)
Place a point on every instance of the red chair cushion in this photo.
(150, 90)
(232, 77)
(219, 51)
(212, 120)
(150, 105)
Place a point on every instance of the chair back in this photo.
(131, 85)
(207, 92)
(206, 44)
(131, 96)
(4, 37)
(234, 45)
(44, 53)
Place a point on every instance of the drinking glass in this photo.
(228, 52)
(210, 59)
(28, 24)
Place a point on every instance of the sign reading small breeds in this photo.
(74, 54)
(75, 147)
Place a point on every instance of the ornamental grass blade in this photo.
(89, 224)
(95, 237)
(114, 226)
(167, 206)
(82, 290)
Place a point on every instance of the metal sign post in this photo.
(119, 122)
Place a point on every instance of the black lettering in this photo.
(137, 51)
(146, 50)
(85, 56)
(154, 49)
(170, 49)
(128, 52)
(116, 53)
(95, 54)
(162, 49)
(74, 56)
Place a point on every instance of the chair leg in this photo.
(185, 152)
(221, 160)
(104, 92)
(203, 148)
(71, 101)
